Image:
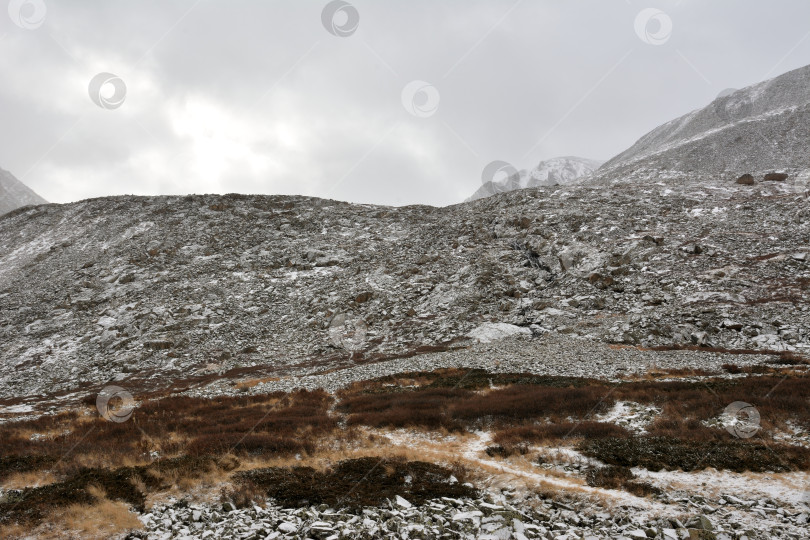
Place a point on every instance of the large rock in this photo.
(746, 180)
(581, 259)
(700, 522)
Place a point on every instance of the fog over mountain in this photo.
(272, 103)
(550, 172)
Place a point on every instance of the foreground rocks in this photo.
(494, 517)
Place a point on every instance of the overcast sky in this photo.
(275, 97)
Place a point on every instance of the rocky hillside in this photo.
(761, 128)
(14, 194)
(551, 172)
(152, 290)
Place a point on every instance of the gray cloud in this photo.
(250, 96)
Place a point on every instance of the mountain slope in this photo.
(551, 172)
(759, 129)
(155, 291)
(14, 194)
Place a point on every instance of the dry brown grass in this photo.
(439, 410)
(622, 347)
(101, 520)
(655, 373)
(262, 424)
(275, 425)
(98, 521)
(32, 478)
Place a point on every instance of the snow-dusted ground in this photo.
(735, 501)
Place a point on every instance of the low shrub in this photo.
(18, 464)
(685, 429)
(423, 408)
(356, 483)
(243, 495)
(253, 444)
(507, 450)
(521, 402)
(455, 408)
(611, 476)
(617, 477)
(558, 431)
(656, 453)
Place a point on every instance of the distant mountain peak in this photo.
(550, 172)
(14, 194)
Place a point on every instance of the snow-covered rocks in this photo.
(496, 516)
(220, 285)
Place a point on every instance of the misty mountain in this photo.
(551, 172)
(758, 129)
(14, 194)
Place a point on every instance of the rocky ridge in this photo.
(758, 129)
(152, 290)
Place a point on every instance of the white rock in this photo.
(402, 502)
(287, 527)
(467, 515)
(106, 322)
(489, 332)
